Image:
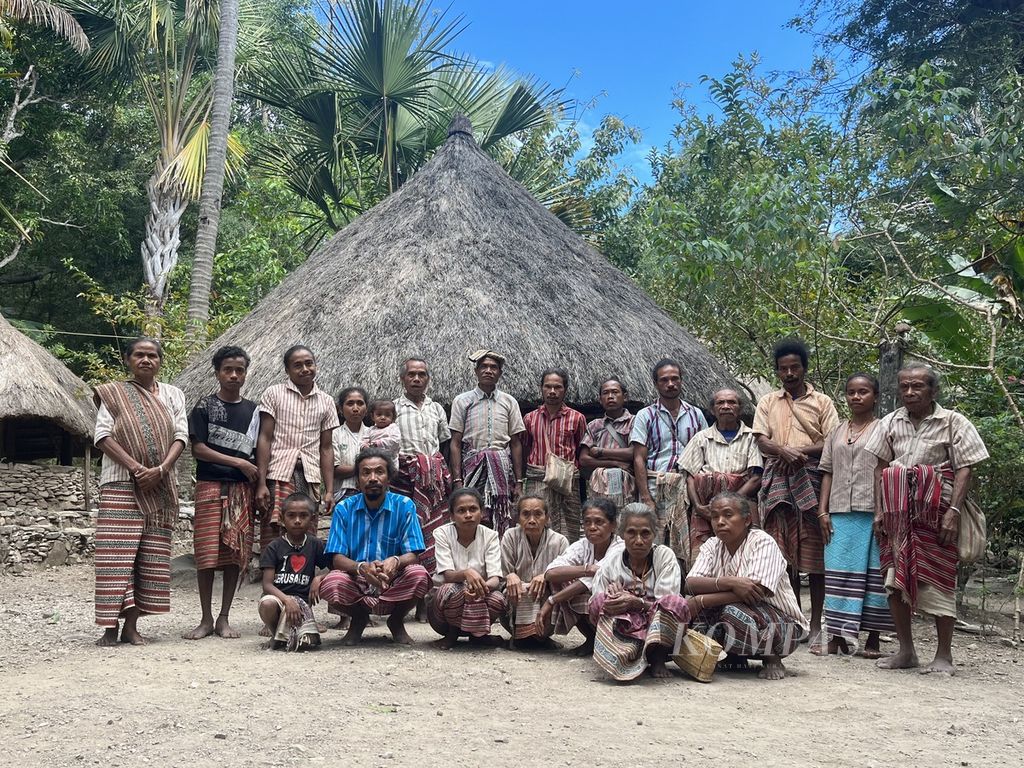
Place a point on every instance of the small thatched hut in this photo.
(462, 257)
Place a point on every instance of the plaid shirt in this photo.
(560, 434)
(664, 436)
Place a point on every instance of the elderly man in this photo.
(660, 433)
(606, 451)
(925, 457)
(374, 546)
(791, 426)
(423, 473)
(551, 444)
(723, 457)
(486, 446)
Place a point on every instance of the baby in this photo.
(384, 433)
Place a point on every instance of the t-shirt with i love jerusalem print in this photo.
(294, 567)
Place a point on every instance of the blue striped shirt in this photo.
(359, 533)
(664, 436)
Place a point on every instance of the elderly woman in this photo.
(468, 598)
(141, 428)
(636, 606)
(742, 592)
(571, 574)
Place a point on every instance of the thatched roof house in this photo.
(45, 410)
(462, 257)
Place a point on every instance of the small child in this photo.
(384, 433)
(290, 585)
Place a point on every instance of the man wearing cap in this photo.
(486, 449)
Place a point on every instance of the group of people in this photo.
(477, 518)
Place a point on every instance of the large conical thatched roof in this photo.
(35, 384)
(462, 257)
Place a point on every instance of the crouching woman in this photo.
(636, 606)
(742, 595)
(468, 598)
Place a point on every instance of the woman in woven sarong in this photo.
(468, 598)
(742, 594)
(526, 551)
(855, 597)
(141, 429)
(571, 574)
(636, 606)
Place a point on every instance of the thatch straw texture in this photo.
(462, 257)
(35, 384)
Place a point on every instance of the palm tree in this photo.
(213, 180)
(40, 13)
(165, 47)
(365, 99)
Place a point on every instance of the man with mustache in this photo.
(374, 546)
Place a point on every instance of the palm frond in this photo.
(52, 16)
(189, 165)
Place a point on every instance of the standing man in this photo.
(606, 451)
(723, 457)
(925, 459)
(423, 473)
(660, 433)
(791, 426)
(555, 430)
(374, 546)
(223, 429)
(294, 452)
(486, 446)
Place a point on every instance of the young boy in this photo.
(384, 433)
(290, 586)
(223, 428)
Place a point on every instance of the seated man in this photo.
(374, 544)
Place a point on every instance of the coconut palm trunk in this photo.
(167, 203)
(213, 178)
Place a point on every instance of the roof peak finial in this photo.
(460, 124)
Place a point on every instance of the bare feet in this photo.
(939, 666)
(421, 611)
(108, 639)
(356, 627)
(814, 639)
(342, 623)
(265, 631)
(205, 629)
(837, 645)
(871, 649)
(224, 629)
(447, 642)
(396, 624)
(132, 636)
(586, 649)
(899, 660)
(658, 670)
(772, 669)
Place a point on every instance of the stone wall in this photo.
(43, 486)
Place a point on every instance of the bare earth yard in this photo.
(232, 703)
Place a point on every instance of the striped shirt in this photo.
(486, 420)
(346, 445)
(424, 427)
(852, 469)
(796, 423)
(173, 398)
(359, 533)
(664, 436)
(300, 420)
(759, 559)
(609, 433)
(580, 553)
(708, 451)
(942, 436)
(559, 434)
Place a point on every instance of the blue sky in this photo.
(631, 56)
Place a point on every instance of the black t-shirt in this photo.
(294, 567)
(230, 428)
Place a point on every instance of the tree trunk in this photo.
(890, 360)
(213, 177)
(167, 205)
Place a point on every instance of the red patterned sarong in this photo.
(270, 523)
(788, 508)
(449, 609)
(427, 481)
(133, 558)
(621, 642)
(223, 527)
(912, 510)
(708, 485)
(490, 472)
(341, 591)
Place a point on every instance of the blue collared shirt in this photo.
(363, 534)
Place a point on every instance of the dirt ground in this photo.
(221, 702)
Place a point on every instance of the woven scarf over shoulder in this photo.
(144, 429)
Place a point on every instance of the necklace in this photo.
(851, 436)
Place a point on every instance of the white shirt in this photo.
(580, 553)
(483, 554)
(662, 580)
(346, 446)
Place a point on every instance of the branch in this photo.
(22, 100)
(15, 250)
